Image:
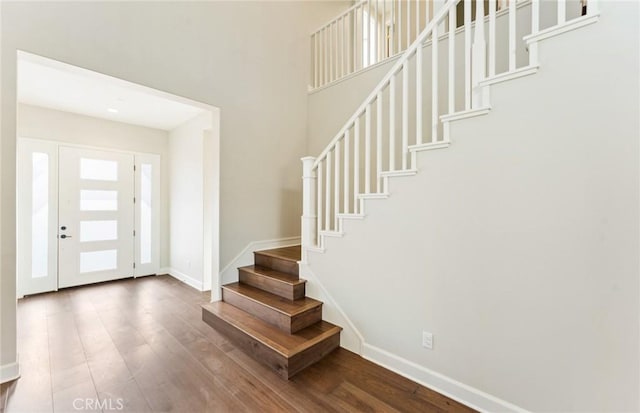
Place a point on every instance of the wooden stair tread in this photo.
(274, 274)
(277, 303)
(293, 253)
(287, 345)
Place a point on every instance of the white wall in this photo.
(250, 59)
(517, 247)
(186, 199)
(43, 123)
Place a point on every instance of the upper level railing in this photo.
(410, 108)
(372, 31)
(368, 32)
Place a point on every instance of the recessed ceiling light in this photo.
(112, 110)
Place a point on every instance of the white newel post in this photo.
(479, 95)
(308, 226)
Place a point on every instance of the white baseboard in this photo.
(9, 372)
(190, 281)
(229, 273)
(447, 386)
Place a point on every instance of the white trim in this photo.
(351, 216)
(400, 172)
(335, 234)
(429, 146)
(503, 77)
(164, 271)
(11, 371)
(373, 196)
(467, 395)
(187, 279)
(464, 114)
(562, 28)
(229, 273)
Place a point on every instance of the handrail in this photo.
(339, 16)
(444, 11)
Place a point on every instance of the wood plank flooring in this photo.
(141, 346)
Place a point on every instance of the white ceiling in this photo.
(55, 85)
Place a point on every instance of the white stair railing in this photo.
(368, 32)
(381, 139)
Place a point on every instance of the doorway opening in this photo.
(113, 179)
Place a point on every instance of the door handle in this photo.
(65, 236)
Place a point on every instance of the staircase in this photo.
(412, 108)
(268, 316)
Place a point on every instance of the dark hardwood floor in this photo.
(140, 346)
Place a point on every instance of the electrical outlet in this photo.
(427, 340)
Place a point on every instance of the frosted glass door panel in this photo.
(98, 261)
(91, 231)
(40, 216)
(98, 200)
(147, 215)
(36, 217)
(98, 169)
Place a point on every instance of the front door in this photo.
(96, 216)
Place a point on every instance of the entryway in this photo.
(85, 215)
(115, 180)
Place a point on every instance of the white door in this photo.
(96, 216)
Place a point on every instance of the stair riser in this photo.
(316, 353)
(282, 321)
(278, 264)
(249, 345)
(265, 283)
(284, 367)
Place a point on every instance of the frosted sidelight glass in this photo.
(98, 231)
(145, 214)
(98, 169)
(91, 200)
(40, 215)
(98, 261)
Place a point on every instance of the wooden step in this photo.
(280, 259)
(286, 353)
(289, 316)
(275, 282)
